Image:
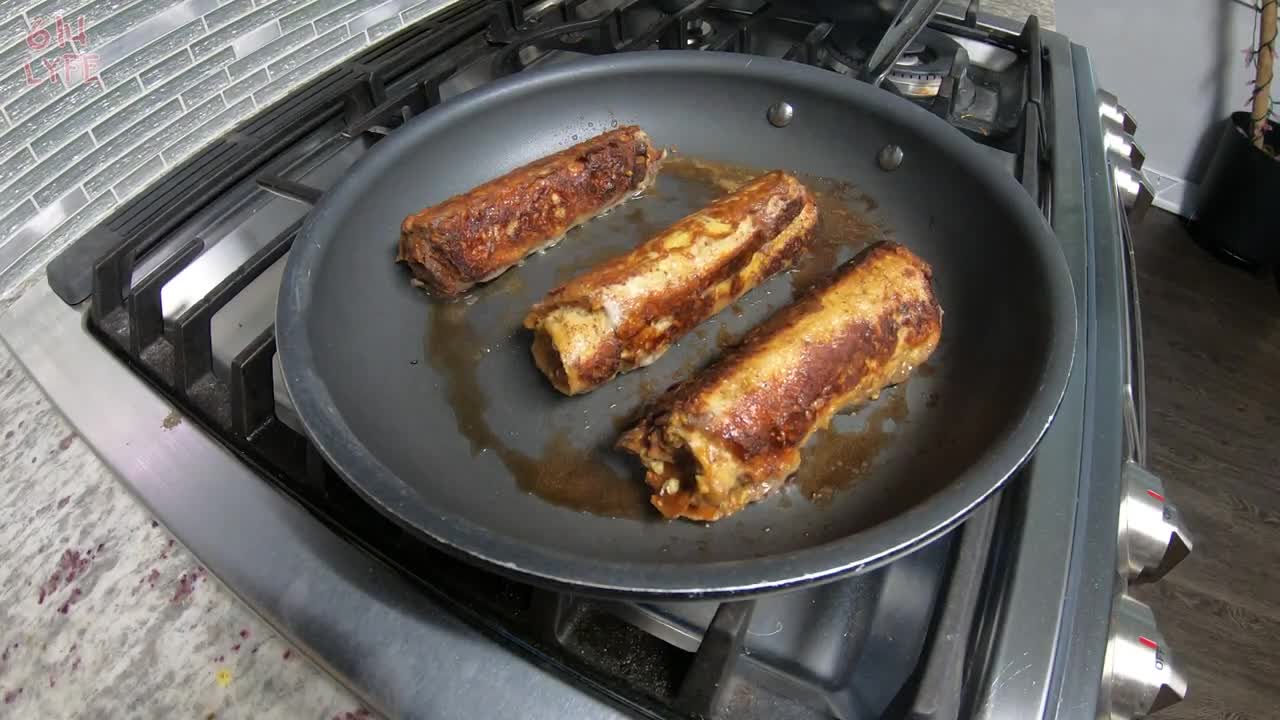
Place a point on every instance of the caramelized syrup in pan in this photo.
(578, 478)
(835, 460)
(564, 474)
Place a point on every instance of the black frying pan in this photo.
(436, 415)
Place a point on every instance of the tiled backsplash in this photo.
(165, 77)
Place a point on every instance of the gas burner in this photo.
(847, 49)
(926, 61)
(918, 72)
(697, 31)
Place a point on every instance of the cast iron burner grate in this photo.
(849, 649)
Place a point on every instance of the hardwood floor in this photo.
(1212, 340)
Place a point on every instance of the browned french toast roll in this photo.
(625, 313)
(476, 236)
(733, 433)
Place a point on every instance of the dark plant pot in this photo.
(1236, 214)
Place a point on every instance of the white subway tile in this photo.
(112, 27)
(377, 14)
(252, 41)
(152, 29)
(136, 155)
(140, 178)
(152, 53)
(422, 10)
(167, 68)
(345, 13)
(384, 28)
(308, 12)
(108, 152)
(216, 126)
(27, 72)
(53, 243)
(15, 165)
(38, 96)
(224, 36)
(44, 171)
(49, 116)
(281, 85)
(206, 88)
(81, 120)
(8, 9)
(233, 10)
(245, 87)
(16, 218)
(284, 44)
(307, 52)
(175, 75)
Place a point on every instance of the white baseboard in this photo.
(1173, 194)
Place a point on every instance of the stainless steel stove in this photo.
(154, 336)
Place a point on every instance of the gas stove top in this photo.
(166, 311)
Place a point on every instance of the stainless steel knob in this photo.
(1110, 107)
(1139, 675)
(1135, 192)
(1121, 143)
(1153, 537)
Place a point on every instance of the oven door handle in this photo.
(1152, 535)
(1133, 380)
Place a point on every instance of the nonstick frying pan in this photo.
(434, 411)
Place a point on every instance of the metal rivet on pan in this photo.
(780, 113)
(890, 157)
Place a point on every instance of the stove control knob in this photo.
(1110, 107)
(1139, 674)
(1121, 143)
(1153, 537)
(1135, 191)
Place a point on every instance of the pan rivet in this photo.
(780, 113)
(890, 157)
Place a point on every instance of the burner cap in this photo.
(921, 67)
(919, 70)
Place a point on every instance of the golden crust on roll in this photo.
(625, 313)
(476, 236)
(733, 433)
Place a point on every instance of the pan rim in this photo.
(542, 565)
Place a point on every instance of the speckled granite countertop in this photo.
(1021, 9)
(102, 614)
